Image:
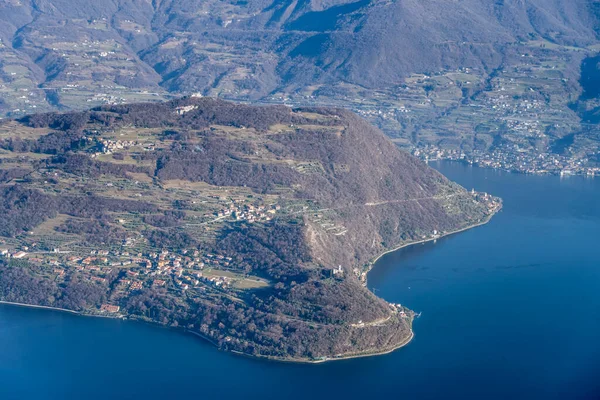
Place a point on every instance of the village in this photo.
(133, 265)
(513, 161)
(127, 273)
(248, 212)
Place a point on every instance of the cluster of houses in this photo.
(104, 98)
(8, 254)
(389, 113)
(109, 308)
(156, 269)
(490, 201)
(108, 146)
(185, 268)
(217, 281)
(185, 109)
(250, 213)
(397, 307)
(511, 157)
(360, 274)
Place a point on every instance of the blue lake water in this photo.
(509, 310)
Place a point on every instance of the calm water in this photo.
(510, 310)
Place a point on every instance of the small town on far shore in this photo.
(526, 163)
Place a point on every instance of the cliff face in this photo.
(284, 208)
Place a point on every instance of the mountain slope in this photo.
(387, 41)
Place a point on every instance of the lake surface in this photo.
(509, 310)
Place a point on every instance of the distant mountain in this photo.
(66, 53)
(252, 226)
(498, 79)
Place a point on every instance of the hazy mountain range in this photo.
(257, 47)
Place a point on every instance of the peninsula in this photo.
(253, 227)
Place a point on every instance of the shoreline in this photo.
(399, 247)
(213, 343)
(372, 354)
(560, 174)
(328, 359)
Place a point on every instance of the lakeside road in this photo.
(78, 313)
(41, 307)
